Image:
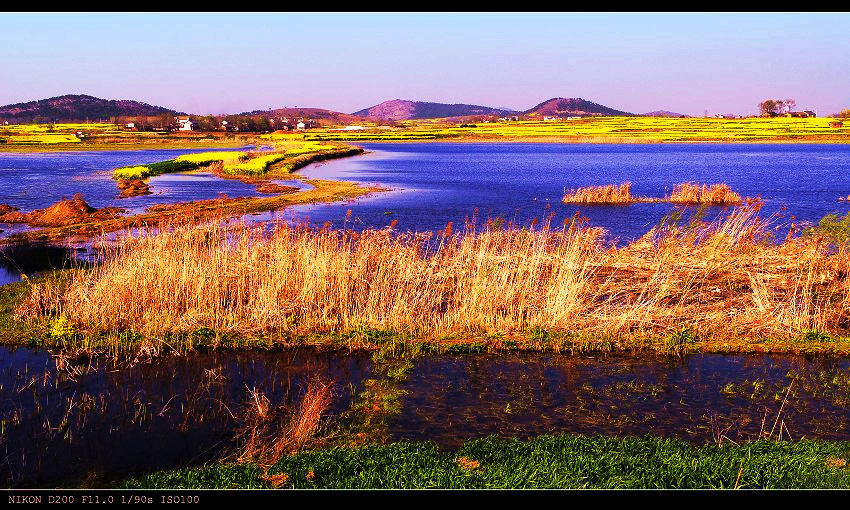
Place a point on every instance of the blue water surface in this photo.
(434, 183)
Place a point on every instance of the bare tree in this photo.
(789, 104)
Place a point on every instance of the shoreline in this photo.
(217, 208)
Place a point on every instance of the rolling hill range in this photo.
(662, 113)
(319, 114)
(76, 107)
(560, 107)
(400, 109)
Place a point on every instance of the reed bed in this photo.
(723, 279)
(684, 193)
(609, 194)
(715, 194)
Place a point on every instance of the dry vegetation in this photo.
(715, 194)
(685, 193)
(269, 433)
(717, 281)
(610, 194)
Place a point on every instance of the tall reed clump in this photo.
(718, 279)
(609, 194)
(715, 194)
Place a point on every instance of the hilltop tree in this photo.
(768, 106)
(777, 105)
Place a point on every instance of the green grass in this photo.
(152, 169)
(562, 461)
(13, 331)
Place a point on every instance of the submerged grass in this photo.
(561, 461)
(709, 286)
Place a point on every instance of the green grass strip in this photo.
(561, 461)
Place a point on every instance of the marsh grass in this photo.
(714, 194)
(684, 193)
(705, 281)
(268, 432)
(609, 194)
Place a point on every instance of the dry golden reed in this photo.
(720, 279)
(715, 194)
(609, 194)
(684, 193)
(267, 434)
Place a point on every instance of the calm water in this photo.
(102, 420)
(110, 421)
(34, 181)
(435, 183)
(37, 180)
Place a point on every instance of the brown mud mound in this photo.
(271, 187)
(133, 188)
(6, 209)
(62, 213)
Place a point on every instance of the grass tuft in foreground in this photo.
(562, 461)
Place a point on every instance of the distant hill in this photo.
(560, 107)
(400, 109)
(71, 107)
(662, 113)
(318, 114)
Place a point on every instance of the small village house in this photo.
(802, 115)
(184, 124)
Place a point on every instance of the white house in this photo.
(300, 125)
(184, 124)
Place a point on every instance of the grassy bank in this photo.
(284, 159)
(562, 461)
(23, 138)
(723, 286)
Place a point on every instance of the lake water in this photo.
(37, 180)
(435, 183)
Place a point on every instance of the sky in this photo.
(233, 62)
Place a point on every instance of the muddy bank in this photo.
(133, 188)
(60, 214)
(274, 188)
(108, 220)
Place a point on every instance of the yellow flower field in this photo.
(614, 129)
